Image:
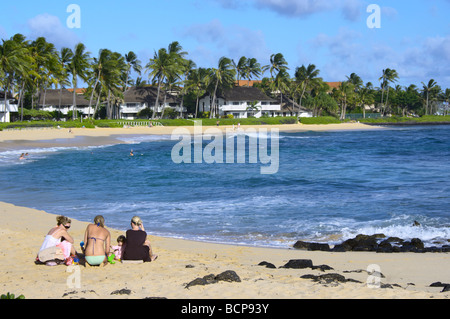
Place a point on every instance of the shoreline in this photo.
(405, 275)
(44, 134)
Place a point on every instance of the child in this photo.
(118, 250)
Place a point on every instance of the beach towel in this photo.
(50, 254)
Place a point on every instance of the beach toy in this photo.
(76, 261)
(82, 244)
(111, 259)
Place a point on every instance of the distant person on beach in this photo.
(58, 244)
(118, 250)
(98, 241)
(137, 245)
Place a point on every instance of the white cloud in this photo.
(346, 52)
(350, 9)
(231, 41)
(50, 27)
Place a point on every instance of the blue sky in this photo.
(414, 37)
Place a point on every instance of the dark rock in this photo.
(385, 244)
(308, 276)
(311, 246)
(446, 288)
(322, 267)
(229, 276)
(394, 240)
(196, 282)
(298, 264)
(340, 248)
(268, 265)
(416, 242)
(190, 266)
(210, 279)
(386, 286)
(329, 278)
(123, 291)
(438, 284)
(301, 245)
(318, 246)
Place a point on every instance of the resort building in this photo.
(136, 99)
(62, 100)
(6, 109)
(248, 101)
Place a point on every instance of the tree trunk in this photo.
(214, 100)
(300, 102)
(156, 102)
(164, 104)
(92, 96)
(74, 98)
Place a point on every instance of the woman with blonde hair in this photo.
(58, 244)
(138, 246)
(98, 240)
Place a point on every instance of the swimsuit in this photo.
(95, 260)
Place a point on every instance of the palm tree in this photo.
(305, 76)
(277, 63)
(23, 75)
(14, 59)
(198, 81)
(132, 63)
(366, 96)
(45, 63)
(343, 93)
(65, 56)
(427, 89)
(224, 78)
(78, 67)
(240, 67)
(252, 68)
(187, 68)
(280, 83)
(112, 82)
(165, 64)
(389, 76)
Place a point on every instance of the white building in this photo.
(248, 101)
(5, 110)
(137, 99)
(62, 100)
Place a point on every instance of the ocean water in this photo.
(329, 186)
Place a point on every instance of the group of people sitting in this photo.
(58, 245)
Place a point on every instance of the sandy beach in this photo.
(63, 135)
(22, 230)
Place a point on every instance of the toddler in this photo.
(118, 250)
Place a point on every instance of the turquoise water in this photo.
(329, 186)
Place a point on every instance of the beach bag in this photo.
(50, 254)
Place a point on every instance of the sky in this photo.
(337, 36)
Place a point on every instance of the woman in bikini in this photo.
(98, 240)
